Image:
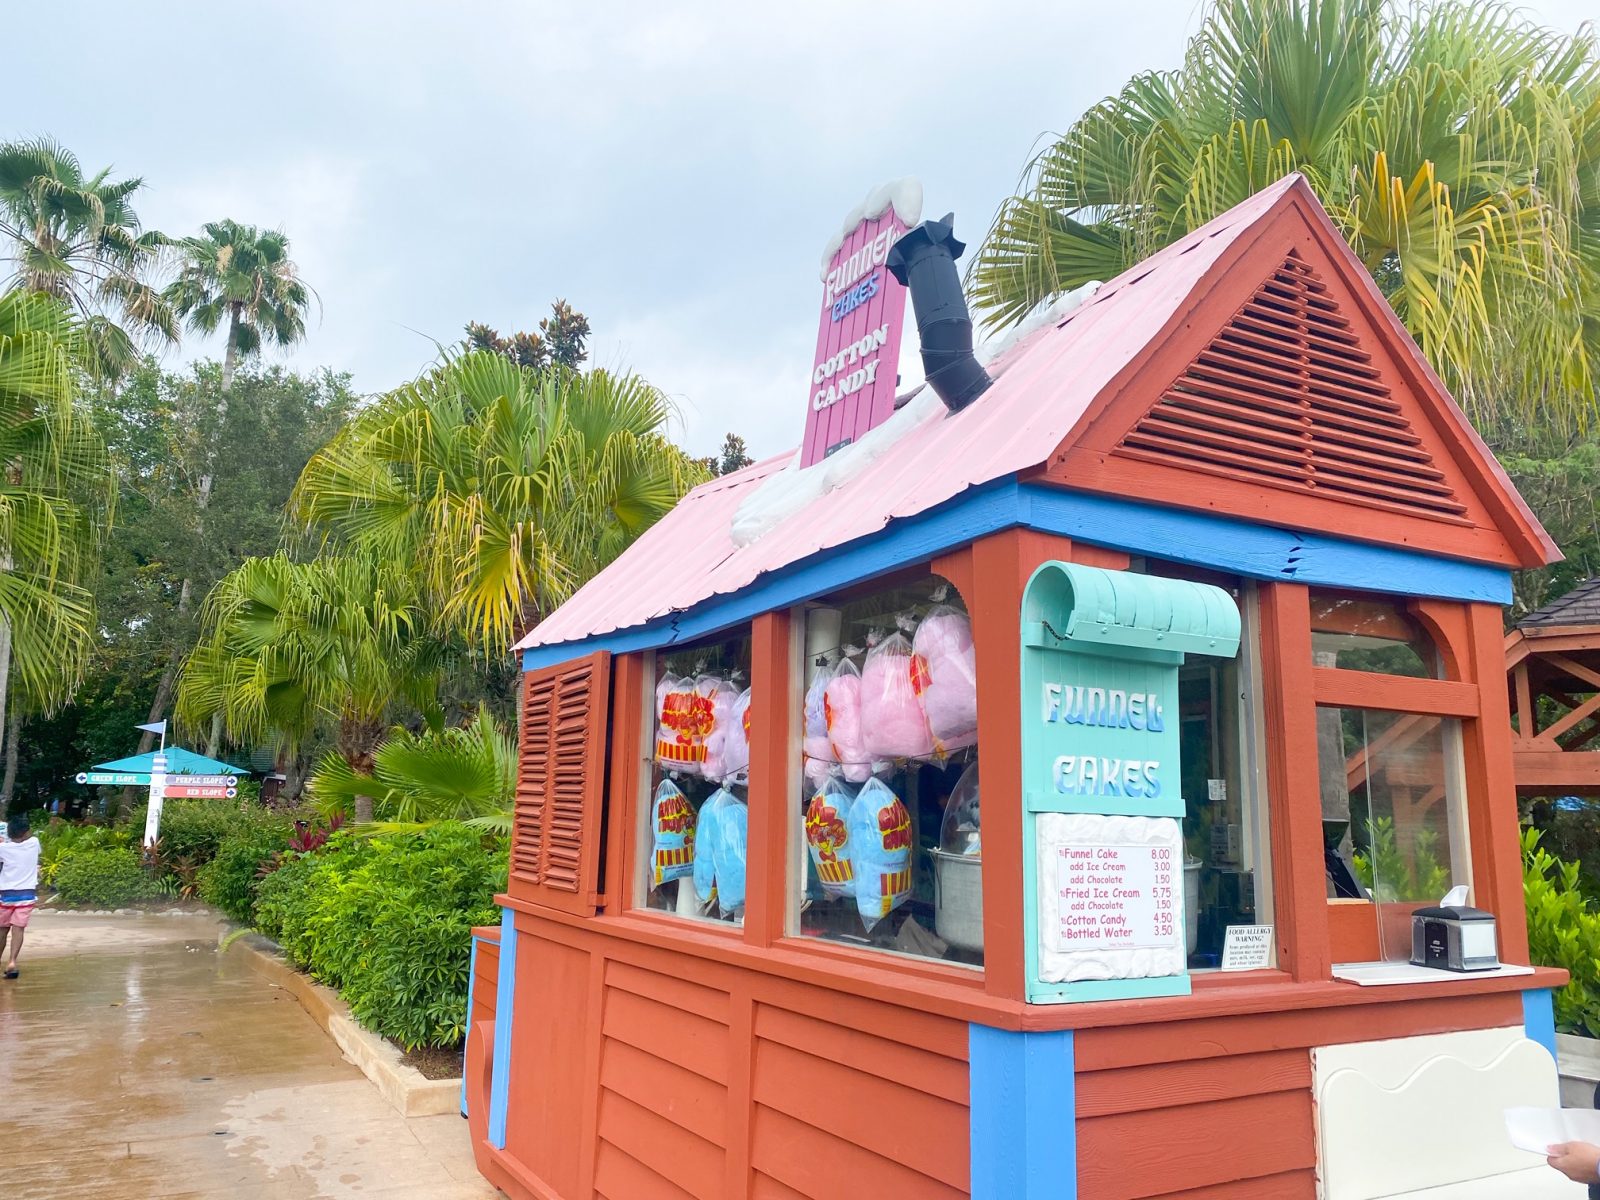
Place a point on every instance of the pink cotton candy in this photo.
(722, 754)
(950, 698)
(842, 704)
(818, 749)
(891, 714)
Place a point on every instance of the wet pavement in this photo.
(137, 1062)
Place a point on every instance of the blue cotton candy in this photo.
(880, 851)
(730, 850)
(705, 868)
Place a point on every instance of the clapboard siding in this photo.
(547, 1062)
(485, 975)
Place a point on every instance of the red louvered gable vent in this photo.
(1285, 396)
(560, 782)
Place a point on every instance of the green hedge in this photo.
(387, 920)
(1563, 931)
(103, 877)
(242, 858)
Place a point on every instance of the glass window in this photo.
(890, 816)
(1364, 633)
(694, 839)
(1391, 812)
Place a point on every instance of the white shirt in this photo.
(19, 865)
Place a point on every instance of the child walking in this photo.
(19, 882)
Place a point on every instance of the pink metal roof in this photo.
(1043, 387)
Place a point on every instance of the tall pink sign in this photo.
(853, 375)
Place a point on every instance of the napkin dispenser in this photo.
(1454, 936)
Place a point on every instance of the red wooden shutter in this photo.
(1285, 395)
(555, 837)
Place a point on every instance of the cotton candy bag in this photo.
(730, 835)
(721, 738)
(892, 719)
(815, 745)
(950, 696)
(705, 835)
(842, 706)
(828, 836)
(880, 851)
(672, 819)
(683, 720)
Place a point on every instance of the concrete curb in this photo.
(406, 1088)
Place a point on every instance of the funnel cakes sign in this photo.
(853, 375)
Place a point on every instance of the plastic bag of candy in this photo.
(880, 851)
(723, 736)
(892, 719)
(815, 743)
(682, 720)
(841, 701)
(705, 864)
(672, 819)
(730, 834)
(828, 836)
(949, 667)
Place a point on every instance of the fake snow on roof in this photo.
(904, 194)
(1044, 385)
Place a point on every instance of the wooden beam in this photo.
(1289, 719)
(774, 760)
(1556, 770)
(1491, 789)
(1576, 669)
(1574, 718)
(1527, 713)
(1394, 693)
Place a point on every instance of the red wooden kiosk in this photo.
(1240, 416)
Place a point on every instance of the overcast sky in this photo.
(672, 170)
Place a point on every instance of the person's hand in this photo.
(1578, 1161)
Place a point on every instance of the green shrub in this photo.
(1563, 931)
(387, 920)
(103, 877)
(60, 839)
(230, 879)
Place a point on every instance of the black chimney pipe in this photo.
(924, 260)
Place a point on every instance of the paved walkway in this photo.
(137, 1063)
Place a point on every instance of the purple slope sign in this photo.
(853, 376)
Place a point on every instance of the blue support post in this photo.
(504, 1010)
(1023, 1115)
(1539, 1018)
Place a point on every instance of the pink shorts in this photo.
(15, 916)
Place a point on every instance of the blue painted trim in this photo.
(1023, 1115)
(472, 987)
(504, 1011)
(1539, 1018)
(1200, 539)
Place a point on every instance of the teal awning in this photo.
(1068, 606)
(179, 762)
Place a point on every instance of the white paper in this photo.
(1456, 897)
(1537, 1129)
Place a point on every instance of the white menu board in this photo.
(1111, 904)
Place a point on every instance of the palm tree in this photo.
(289, 649)
(505, 486)
(242, 276)
(56, 497)
(467, 774)
(1455, 145)
(78, 238)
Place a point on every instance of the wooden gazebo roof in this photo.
(1553, 663)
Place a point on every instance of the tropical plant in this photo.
(240, 276)
(506, 487)
(56, 498)
(561, 342)
(77, 237)
(1456, 146)
(1563, 931)
(230, 880)
(290, 648)
(467, 774)
(102, 877)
